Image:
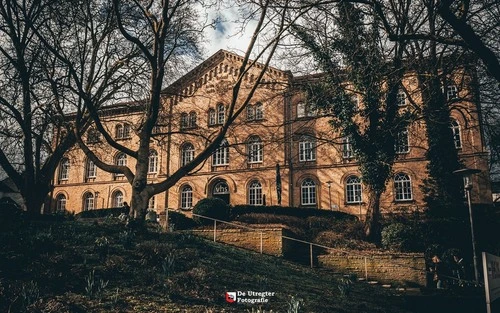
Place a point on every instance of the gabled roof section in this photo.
(193, 77)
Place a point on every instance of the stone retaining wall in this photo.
(405, 269)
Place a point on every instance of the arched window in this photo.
(455, 130)
(308, 192)
(401, 98)
(353, 189)
(301, 109)
(192, 119)
(90, 169)
(153, 162)
(184, 121)
(93, 135)
(259, 111)
(221, 155)
(347, 150)
(307, 149)
(61, 203)
(402, 187)
(120, 160)
(255, 147)
(221, 114)
(64, 169)
(117, 199)
(402, 144)
(451, 92)
(119, 131)
(186, 197)
(255, 193)
(88, 201)
(212, 117)
(187, 153)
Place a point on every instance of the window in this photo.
(305, 110)
(186, 197)
(353, 189)
(61, 203)
(402, 187)
(308, 192)
(90, 169)
(64, 169)
(184, 121)
(402, 142)
(88, 201)
(347, 150)
(152, 203)
(307, 149)
(122, 131)
(211, 117)
(221, 155)
(250, 113)
(401, 98)
(255, 193)
(120, 160)
(117, 199)
(255, 147)
(187, 153)
(455, 130)
(153, 162)
(93, 135)
(192, 119)
(221, 114)
(355, 101)
(451, 92)
(259, 112)
(119, 131)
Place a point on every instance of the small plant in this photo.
(294, 305)
(211, 207)
(259, 310)
(101, 246)
(93, 288)
(127, 239)
(345, 286)
(168, 264)
(29, 293)
(116, 296)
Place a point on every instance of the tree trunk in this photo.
(372, 222)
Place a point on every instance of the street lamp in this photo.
(329, 183)
(96, 201)
(466, 174)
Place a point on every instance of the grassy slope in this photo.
(58, 257)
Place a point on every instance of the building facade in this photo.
(279, 151)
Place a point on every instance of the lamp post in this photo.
(96, 202)
(329, 183)
(466, 174)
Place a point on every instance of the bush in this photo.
(103, 212)
(289, 211)
(211, 207)
(398, 237)
(180, 221)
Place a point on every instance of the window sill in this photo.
(404, 201)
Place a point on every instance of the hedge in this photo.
(102, 212)
(289, 211)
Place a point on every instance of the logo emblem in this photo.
(231, 297)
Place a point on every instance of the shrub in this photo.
(397, 237)
(289, 211)
(211, 207)
(180, 221)
(102, 212)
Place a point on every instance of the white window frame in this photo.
(308, 192)
(307, 149)
(153, 162)
(402, 187)
(220, 156)
(221, 114)
(353, 189)
(255, 193)
(186, 197)
(118, 199)
(187, 153)
(212, 117)
(88, 201)
(451, 92)
(64, 167)
(402, 144)
(250, 113)
(255, 150)
(401, 98)
(259, 111)
(152, 203)
(457, 134)
(90, 169)
(347, 150)
(61, 201)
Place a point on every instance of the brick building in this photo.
(277, 133)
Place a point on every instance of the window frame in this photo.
(353, 190)
(403, 189)
(88, 201)
(307, 149)
(186, 197)
(401, 147)
(456, 134)
(255, 150)
(60, 204)
(90, 169)
(308, 191)
(153, 162)
(118, 198)
(255, 196)
(64, 167)
(220, 157)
